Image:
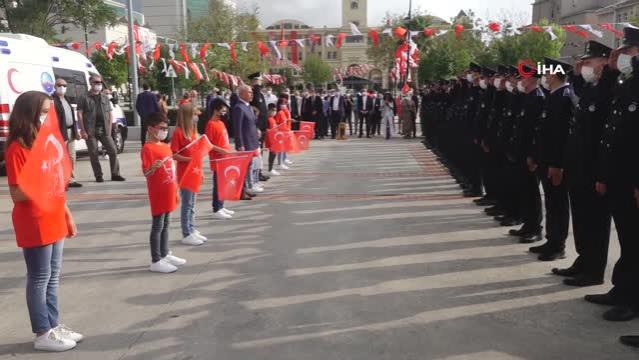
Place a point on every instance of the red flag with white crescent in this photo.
(292, 145)
(192, 179)
(276, 140)
(303, 139)
(230, 173)
(308, 126)
(47, 170)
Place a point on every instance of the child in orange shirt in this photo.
(184, 135)
(39, 234)
(284, 121)
(219, 137)
(159, 170)
(272, 124)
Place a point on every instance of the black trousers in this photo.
(591, 228)
(511, 178)
(335, 119)
(363, 119)
(557, 211)
(159, 239)
(323, 125)
(530, 200)
(626, 215)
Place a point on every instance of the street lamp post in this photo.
(408, 40)
(133, 64)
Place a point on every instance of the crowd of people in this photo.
(503, 131)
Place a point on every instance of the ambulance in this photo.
(29, 63)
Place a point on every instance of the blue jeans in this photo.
(159, 238)
(249, 181)
(43, 277)
(281, 158)
(187, 214)
(217, 203)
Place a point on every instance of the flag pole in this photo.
(133, 64)
(408, 40)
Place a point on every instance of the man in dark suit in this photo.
(146, 103)
(68, 124)
(246, 137)
(337, 111)
(365, 111)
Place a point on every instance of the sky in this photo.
(318, 13)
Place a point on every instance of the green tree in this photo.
(316, 71)
(41, 18)
(115, 71)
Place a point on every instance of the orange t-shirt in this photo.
(179, 141)
(283, 116)
(218, 136)
(33, 228)
(272, 124)
(162, 184)
(184, 101)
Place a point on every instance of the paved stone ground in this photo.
(364, 250)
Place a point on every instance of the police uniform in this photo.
(590, 214)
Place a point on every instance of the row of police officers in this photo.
(574, 129)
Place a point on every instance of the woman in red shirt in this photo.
(159, 170)
(40, 234)
(284, 122)
(219, 137)
(184, 135)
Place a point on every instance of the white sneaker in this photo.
(288, 162)
(251, 192)
(284, 167)
(257, 189)
(193, 240)
(174, 260)
(274, 173)
(198, 235)
(162, 266)
(222, 215)
(66, 332)
(230, 212)
(260, 186)
(52, 341)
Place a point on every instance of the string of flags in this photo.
(353, 70)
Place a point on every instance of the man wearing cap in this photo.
(521, 144)
(550, 142)
(482, 110)
(618, 179)
(259, 106)
(593, 83)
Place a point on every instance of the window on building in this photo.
(319, 53)
(354, 5)
(300, 56)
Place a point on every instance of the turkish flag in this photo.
(230, 173)
(46, 173)
(277, 140)
(192, 179)
(291, 144)
(303, 139)
(308, 126)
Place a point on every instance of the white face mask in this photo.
(469, 77)
(624, 64)
(509, 87)
(43, 117)
(545, 83)
(269, 93)
(61, 90)
(497, 83)
(520, 87)
(483, 84)
(588, 73)
(162, 135)
(97, 87)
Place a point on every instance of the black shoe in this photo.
(601, 299)
(264, 178)
(360, 136)
(368, 136)
(552, 256)
(538, 249)
(472, 194)
(99, 179)
(500, 218)
(621, 313)
(530, 238)
(583, 281)
(485, 202)
(568, 272)
(493, 208)
(75, 184)
(117, 178)
(630, 340)
(496, 213)
(509, 222)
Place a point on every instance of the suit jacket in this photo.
(369, 101)
(146, 104)
(62, 121)
(244, 126)
(259, 102)
(295, 107)
(341, 107)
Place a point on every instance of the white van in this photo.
(29, 63)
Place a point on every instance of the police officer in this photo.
(618, 179)
(550, 141)
(593, 83)
(469, 151)
(486, 97)
(521, 145)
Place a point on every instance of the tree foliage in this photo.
(114, 72)
(42, 18)
(316, 71)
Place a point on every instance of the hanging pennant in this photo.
(374, 35)
(611, 28)
(548, 29)
(442, 32)
(97, 46)
(273, 44)
(203, 51)
(340, 40)
(536, 28)
(156, 52)
(263, 49)
(575, 30)
(428, 32)
(185, 56)
(283, 43)
(300, 43)
(329, 40)
(592, 30)
(354, 30)
(388, 31)
(171, 51)
(197, 74)
(194, 51)
(232, 52)
(244, 46)
(459, 29)
(494, 27)
(400, 32)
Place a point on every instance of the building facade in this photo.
(170, 18)
(352, 53)
(575, 12)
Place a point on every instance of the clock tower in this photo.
(355, 11)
